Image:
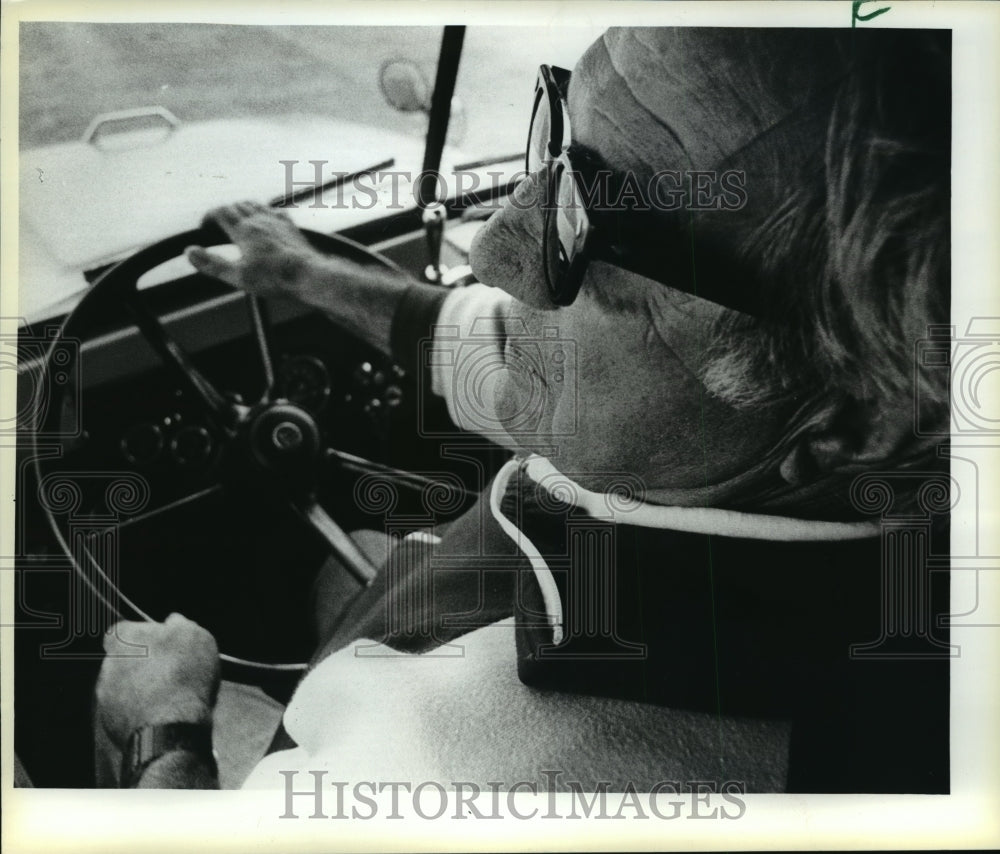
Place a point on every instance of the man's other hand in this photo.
(156, 673)
(276, 259)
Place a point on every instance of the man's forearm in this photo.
(363, 306)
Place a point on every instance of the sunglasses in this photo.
(577, 231)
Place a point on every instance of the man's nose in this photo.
(508, 251)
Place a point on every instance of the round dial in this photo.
(191, 445)
(305, 380)
(142, 443)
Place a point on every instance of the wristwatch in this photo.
(149, 743)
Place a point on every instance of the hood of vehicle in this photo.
(84, 204)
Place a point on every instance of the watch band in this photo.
(149, 743)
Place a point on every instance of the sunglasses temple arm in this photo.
(709, 276)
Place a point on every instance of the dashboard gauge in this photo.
(393, 396)
(304, 380)
(142, 443)
(191, 446)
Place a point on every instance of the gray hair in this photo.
(857, 257)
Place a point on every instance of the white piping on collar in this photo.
(696, 520)
(546, 582)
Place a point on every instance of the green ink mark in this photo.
(857, 16)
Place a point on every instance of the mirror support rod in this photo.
(437, 128)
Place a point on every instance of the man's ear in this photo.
(846, 438)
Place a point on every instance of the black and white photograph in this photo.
(569, 427)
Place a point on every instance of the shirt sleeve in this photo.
(453, 341)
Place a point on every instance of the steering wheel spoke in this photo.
(223, 411)
(340, 544)
(259, 323)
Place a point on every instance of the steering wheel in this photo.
(273, 445)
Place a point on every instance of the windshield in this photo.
(496, 81)
(73, 72)
(131, 132)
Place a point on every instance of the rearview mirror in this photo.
(404, 86)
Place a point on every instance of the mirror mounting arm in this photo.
(433, 219)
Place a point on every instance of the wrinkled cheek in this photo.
(564, 387)
(523, 406)
(594, 420)
(507, 400)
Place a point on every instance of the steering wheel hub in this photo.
(287, 436)
(283, 438)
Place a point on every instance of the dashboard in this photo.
(151, 425)
(124, 410)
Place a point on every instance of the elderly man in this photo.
(741, 352)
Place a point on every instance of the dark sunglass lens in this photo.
(552, 252)
(538, 137)
(559, 245)
(570, 209)
(565, 236)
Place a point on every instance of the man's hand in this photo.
(176, 679)
(276, 258)
(278, 261)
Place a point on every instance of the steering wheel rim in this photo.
(120, 282)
